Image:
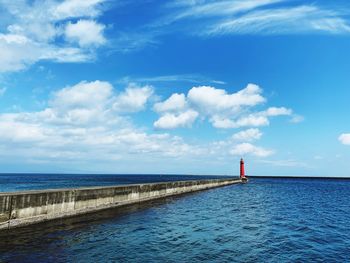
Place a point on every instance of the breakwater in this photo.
(29, 207)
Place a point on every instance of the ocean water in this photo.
(266, 220)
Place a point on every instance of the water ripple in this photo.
(267, 220)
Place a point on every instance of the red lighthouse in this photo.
(242, 175)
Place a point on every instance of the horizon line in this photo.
(172, 174)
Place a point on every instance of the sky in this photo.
(175, 87)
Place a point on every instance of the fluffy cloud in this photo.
(246, 121)
(175, 103)
(18, 51)
(83, 122)
(86, 33)
(77, 8)
(14, 52)
(17, 131)
(171, 121)
(212, 100)
(222, 109)
(133, 99)
(92, 122)
(251, 120)
(247, 135)
(247, 148)
(83, 95)
(91, 102)
(240, 144)
(33, 32)
(344, 138)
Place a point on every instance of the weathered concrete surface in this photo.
(23, 208)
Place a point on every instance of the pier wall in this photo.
(24, 208)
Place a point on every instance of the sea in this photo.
(265, 220)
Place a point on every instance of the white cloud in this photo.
(83, 95)
(11, 130)
(192, 78)
(256, 119)
(285, 20)
(77, 8)
(17, 52)
(32, 31)
(14, 52)
(239, 144)
(37, 30)
(246, 121)
(344, 138)
(205, 9)
(175, 103)
(211, 100)
(91, 122)
(258, 17)
(274, 111)
(222, 109)
(247, 148)
(83, 104)
(80, 125)
(247, 135)
(282, 111)
(86, 33)
(87, 104)
(133, 99)
(252, 120)
(67, 55)
(223, 122)
(172, 121)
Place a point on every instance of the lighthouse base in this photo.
(244, 180)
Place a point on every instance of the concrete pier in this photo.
(29, 207)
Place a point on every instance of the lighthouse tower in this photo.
(241, 174)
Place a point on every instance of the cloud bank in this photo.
(221, 109)
(87, 121)
(94, 121)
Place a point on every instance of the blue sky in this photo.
(175, 86)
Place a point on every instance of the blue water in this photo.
(20, 182)
(266, 220)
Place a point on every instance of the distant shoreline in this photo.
(298, 177)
